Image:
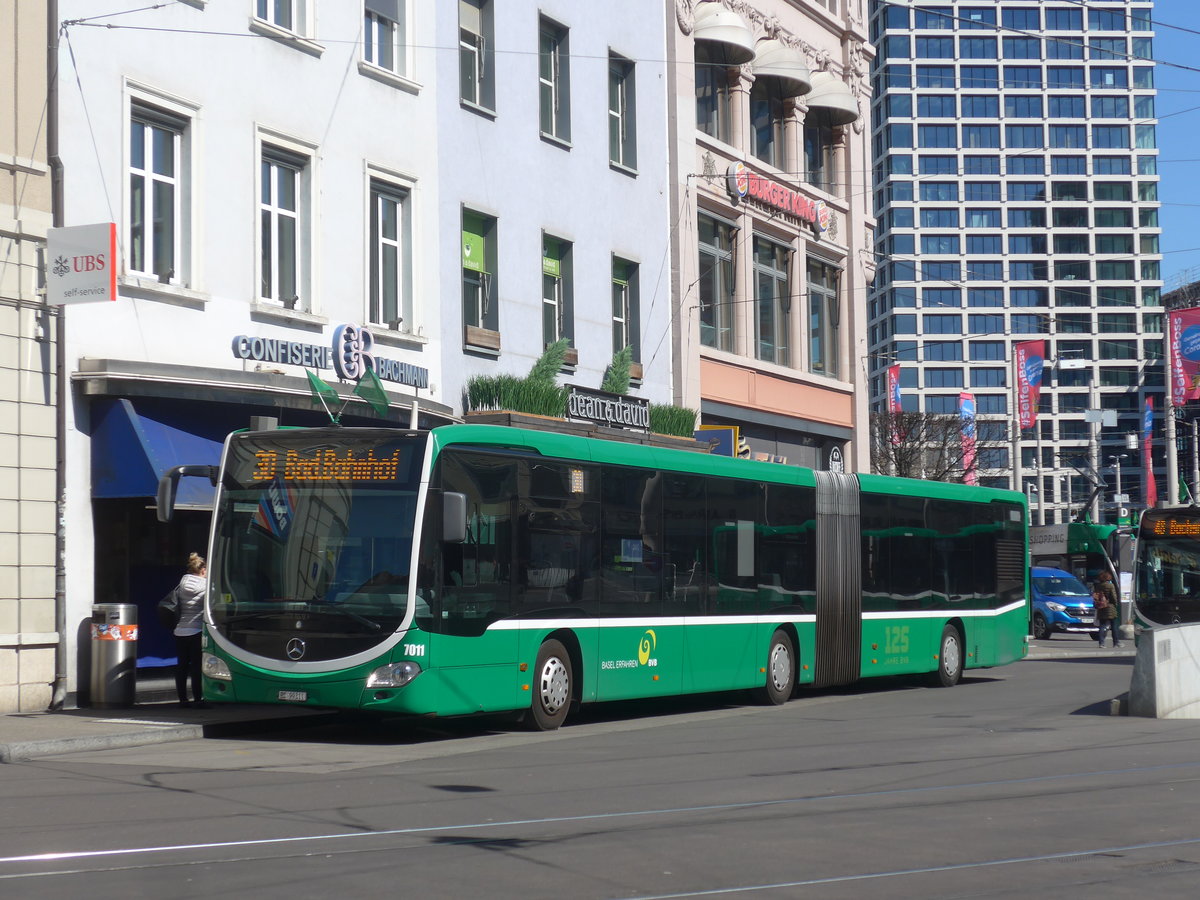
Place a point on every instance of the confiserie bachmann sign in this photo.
(603, 408)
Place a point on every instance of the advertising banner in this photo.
(1030, 361)
(1151, 491)
(1183, 349)
(966, 411)
(893, 389)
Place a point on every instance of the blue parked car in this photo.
(1061, 602)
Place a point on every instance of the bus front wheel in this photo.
(781, 670)
(950, 659)
(552, 689)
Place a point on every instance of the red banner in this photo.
(1030, 361)
(1183, 348)
(966, 412)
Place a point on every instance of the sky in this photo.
(1178, 109)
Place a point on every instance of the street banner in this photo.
(1151, 491)
(1030, 360)
(1183, 349)
(893, 390)
(966, 411)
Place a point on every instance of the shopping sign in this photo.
(81, 264)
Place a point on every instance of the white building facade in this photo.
(296, 183)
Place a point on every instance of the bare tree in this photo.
(922, 445)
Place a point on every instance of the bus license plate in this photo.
(294, 696)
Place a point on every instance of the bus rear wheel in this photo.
(552, 687)
(781, 670)
(950, 659)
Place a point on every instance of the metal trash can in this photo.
(114, 654)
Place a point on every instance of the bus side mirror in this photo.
(454, 517)
(168, 484)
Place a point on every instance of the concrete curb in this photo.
(20, 750)
(17, 751)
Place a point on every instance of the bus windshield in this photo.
(313, 541)
(1168, 566)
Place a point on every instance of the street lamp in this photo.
(1115, 462)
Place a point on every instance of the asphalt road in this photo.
(1016, 783)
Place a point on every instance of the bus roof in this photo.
(568, 446)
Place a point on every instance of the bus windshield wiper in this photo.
(335, 608)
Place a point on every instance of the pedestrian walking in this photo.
(1108, 608)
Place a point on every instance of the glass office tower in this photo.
(1016, 192)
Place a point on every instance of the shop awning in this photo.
(718, 25)
(135, 442)
(774, 59)
(832, 100)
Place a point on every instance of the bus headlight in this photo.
(214, 667)
(393, 675)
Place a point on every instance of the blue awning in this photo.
(135, 442)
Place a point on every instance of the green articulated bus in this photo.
(477, 568)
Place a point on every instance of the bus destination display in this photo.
(1176, 528)
(325, 465)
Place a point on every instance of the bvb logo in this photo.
(646, 647)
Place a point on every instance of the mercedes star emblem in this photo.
(295, 648)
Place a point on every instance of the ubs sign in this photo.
(349, 355)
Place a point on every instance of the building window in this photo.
(712, 90)
(290, 15)
(476, 60)
(284, 235)
(478, 271)
(556, 290)
(384, 24)
(156, 194)
(772, 301)
(716, 284)
(554, 80)
(766, 122)
(625, 324)
(622, 112)
(824, 319)
(819, 156)
(390, 281)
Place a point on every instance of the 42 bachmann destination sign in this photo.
(613, 410)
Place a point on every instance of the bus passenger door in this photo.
(640, 651)
(474, 648)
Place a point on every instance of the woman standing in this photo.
(187, 632)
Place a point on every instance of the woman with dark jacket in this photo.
(1108, 608)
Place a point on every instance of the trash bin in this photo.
(114, 654)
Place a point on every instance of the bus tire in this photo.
(553, 683)
(781, 670)
(950, 658)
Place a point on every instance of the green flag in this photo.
(323, 394)
(370, 389)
